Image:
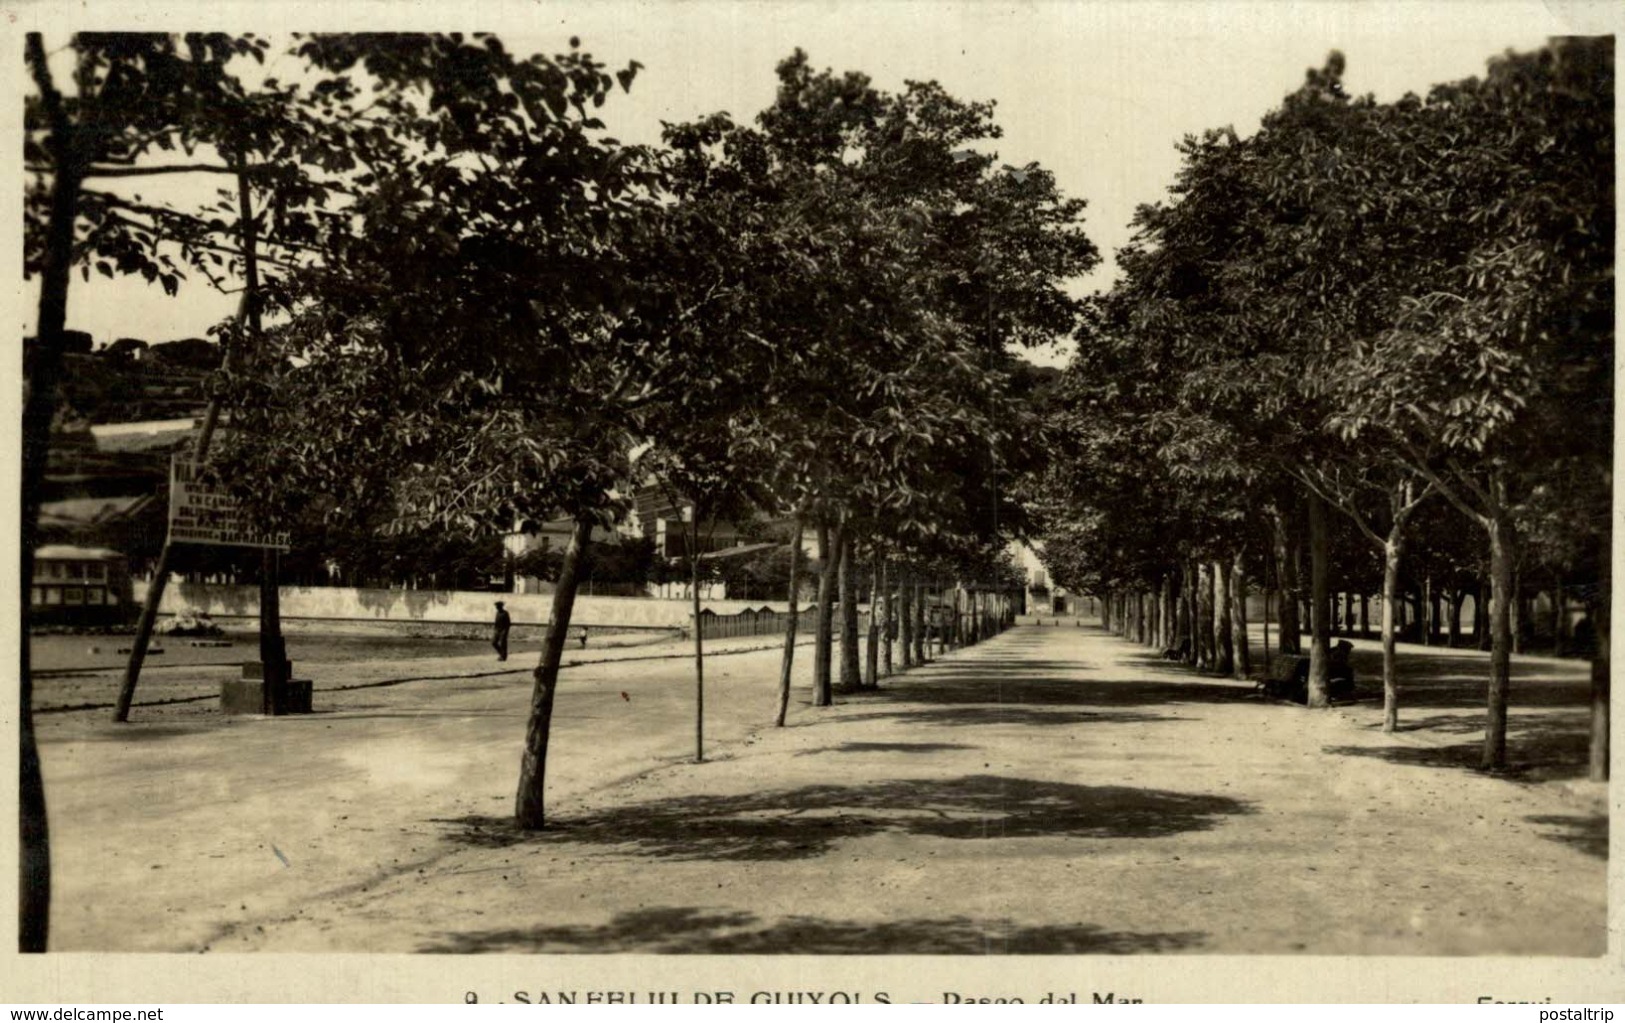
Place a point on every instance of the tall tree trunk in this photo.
(791, 622)
(1520, 611)
(1435, 612)
(919, 622)
(823, 691)
(1365, 616)
(1224, 651)
(871, 650)
(1392, 552)
(889, 626)
(1207, 650)
(1456, 598)
(905, 620)
(1503, 556)
(43, 369)
(1170, 613)
(1238, 617)
(1599, 612)
(1184, 628)
(529, 809)
(273, 654)
(1286, 560)
(1319, 627)
(1559, 616)
(1481, 610)
(851, 675)
(699, 636)
(1423, 608)
(1267, 647)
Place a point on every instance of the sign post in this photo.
(200, 513)
(203, 514)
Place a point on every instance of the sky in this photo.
(1098, 92)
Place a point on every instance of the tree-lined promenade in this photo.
(1056, 791)
(1374, 340)
(467, 308)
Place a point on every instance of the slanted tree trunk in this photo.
(851, 676)
(791, 622)
(1319, 606)
(248, 312)
(1238, 617)
(529, 808)
(1224, 651)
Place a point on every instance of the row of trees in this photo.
(1389, 320)
(808, 316)
(465, 305)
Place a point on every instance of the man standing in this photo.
(499, 632)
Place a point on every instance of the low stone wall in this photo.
(347, 604)
(1067, 621)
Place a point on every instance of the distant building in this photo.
(1041, 597)
(80, 585)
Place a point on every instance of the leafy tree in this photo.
(474, 355)
(1507, 329)
(132, 95)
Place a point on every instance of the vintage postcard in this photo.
(812, 502)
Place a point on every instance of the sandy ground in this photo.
(1051, 791)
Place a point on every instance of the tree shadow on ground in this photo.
(807, 822)
(1537, 750)
(383, 711)
(1589, 834)
(886, 747)
(143, 732)
(962, 715)
(1460, 678)
(1007, 685)
(689, 930)
(1473, 723)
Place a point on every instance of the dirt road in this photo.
(1051, 791)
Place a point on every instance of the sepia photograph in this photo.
(1075, 491)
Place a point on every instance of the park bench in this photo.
(1288, 677)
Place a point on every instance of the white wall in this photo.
(348, 604)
